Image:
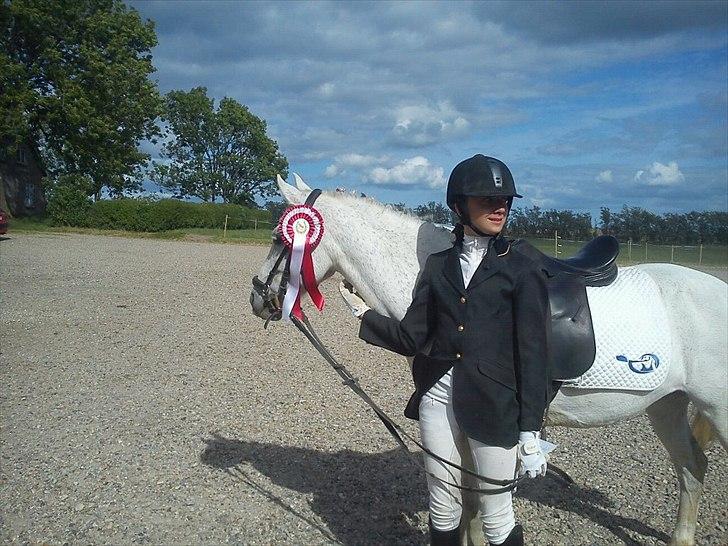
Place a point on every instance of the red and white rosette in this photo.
(301, 227)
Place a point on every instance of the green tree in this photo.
(605, 217)
(528, 221)
(434, 212)
(224, 153)
(74, 81)
(275, 208)
(401, 207)
(638, 224)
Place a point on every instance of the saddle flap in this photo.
(572, 335)
(573, 348)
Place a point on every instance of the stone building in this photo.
(21, 181)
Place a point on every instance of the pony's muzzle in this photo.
(259, 308)
(265, 301)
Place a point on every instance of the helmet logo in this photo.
(497, 176)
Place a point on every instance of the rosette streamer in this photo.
(301, 227)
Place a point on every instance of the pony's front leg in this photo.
(669, 418)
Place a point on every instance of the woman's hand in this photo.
(356, 305)
(533, 454)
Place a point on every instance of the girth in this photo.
(573, 347)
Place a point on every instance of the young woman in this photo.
(483, 310)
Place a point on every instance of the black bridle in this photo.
(273, 301)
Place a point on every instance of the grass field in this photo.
(713, 255)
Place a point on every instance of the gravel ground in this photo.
(141, 402)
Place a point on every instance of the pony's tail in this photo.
(702, 430)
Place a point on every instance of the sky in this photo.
(590, 104)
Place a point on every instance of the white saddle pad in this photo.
(631, 332)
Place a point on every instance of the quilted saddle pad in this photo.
(632, 335)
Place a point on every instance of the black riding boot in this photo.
(444, 538)
(514, 539)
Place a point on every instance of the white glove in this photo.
(533, 454)
(357, 305)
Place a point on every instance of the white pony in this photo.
(381, 251)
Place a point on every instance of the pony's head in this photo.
(267, 296)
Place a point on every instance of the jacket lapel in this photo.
(452, 270)
(489, 266)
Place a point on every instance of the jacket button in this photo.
(461, 328)
(458, 356)
(462, 299)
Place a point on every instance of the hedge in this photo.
(146, 214)
(68, 206)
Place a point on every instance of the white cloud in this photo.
(352, 162)
(424, 124)
(660, 175)
(358, 160)
(413, 171)
(605, 176)
(331, 171)
(326, 90)
(409, 74)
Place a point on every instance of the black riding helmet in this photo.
(479, 176)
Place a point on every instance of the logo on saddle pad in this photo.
(647, 363)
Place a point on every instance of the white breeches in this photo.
(441, 434)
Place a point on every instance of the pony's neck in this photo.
(378, 249)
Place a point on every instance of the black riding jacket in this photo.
(494, 334)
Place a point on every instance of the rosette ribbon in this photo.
(301, 227)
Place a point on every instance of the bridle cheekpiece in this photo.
(299, 231)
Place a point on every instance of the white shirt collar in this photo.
(475, 244)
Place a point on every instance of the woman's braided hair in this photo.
(459, 233)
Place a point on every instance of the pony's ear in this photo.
(300, 184)
(290, 193)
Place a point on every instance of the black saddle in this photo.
(572, 335)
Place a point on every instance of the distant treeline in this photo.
(535, 222)
(710, 227)
(635, 223)
(72, 207)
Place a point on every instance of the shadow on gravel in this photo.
(359, 498)
(373, 499)
(587, 503)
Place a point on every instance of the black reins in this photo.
(394, 429)
(273, 301)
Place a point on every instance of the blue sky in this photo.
(590, 104)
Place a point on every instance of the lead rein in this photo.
(397, 432)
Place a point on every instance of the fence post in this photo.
(672, 253)
(645, 249)
(256, 224)
(224, 230)
(629, 248)
(700, 256)
(556, 243)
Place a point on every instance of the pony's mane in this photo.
(378, 207)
